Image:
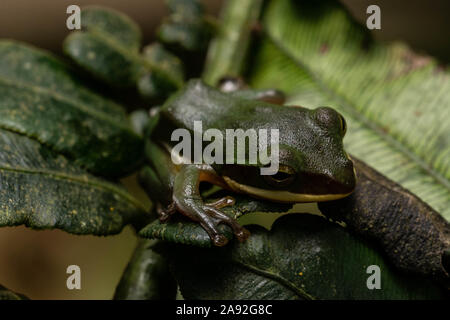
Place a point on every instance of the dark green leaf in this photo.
(146, 277)
(40, 98)
(181, 230)
(113, 24)
(185, 27)
(108, 47)
(107, 61)
(157, 84)
(414, 236)
(6, 294)
(302, 257)
(42, 189)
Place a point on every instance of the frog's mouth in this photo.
(281, 195)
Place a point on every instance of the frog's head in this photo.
(313, 165)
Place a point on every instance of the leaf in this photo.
(156, 84)
(108, 48)
(302, 257)
(146, 277)
(414, 236)
(184, 28)
(43, 190)
(183, 231)
(6, 294)
(41, 98)
(394, 100)
(227, 50)
(139, 120)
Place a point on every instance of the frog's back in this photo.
(200, 102)
(218, 110)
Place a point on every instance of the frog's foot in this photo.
(165, 214)
(219, 217)
(222, 202)
(210, 217)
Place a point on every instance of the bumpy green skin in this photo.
(310, 140)
(310, 145)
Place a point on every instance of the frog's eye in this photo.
(283, 178)
(343, 125)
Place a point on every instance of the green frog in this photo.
(312, 165)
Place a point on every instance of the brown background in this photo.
(34, 262)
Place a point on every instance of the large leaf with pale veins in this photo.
(396, 102)
(302, 257)
(41, 98)
(42, 189)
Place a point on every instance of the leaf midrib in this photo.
(348, 106)
(45, 91)
(276, 277)
(79, 180)
(132, 56)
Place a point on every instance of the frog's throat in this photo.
(280, 195)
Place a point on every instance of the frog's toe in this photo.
(211, 227)
(165, 214)
(242, 235)
(219, 240)
(222, 203)
(239, 231)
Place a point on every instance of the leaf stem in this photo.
(228, 49)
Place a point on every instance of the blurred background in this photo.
(34, 262)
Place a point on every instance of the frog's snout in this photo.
(348, 176)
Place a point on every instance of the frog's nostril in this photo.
(350, 175)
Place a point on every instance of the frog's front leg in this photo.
(188, 201)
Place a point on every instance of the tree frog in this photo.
(312, 165)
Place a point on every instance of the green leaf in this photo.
(302, 257)
(41, 189)
(394, 100)
(6, 294)
(108, 47)
(227, 50)
(185, 27)
(41, 98)
(157, 84)
(146, 277)
(113, 24)
(139, 120)
(180, 230)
